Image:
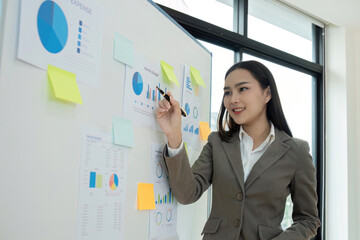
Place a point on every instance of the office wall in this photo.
(353, 130)
(342, 133)
(336, 199)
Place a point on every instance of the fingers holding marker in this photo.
(174, 103)
(164, 105)
(170, 103)
(172, 100)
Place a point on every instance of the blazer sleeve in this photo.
(304, 197)
(188, 184)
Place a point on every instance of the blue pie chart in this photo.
(137, 83)
(52, 27)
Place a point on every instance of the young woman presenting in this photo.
(252, 162)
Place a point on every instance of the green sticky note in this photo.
(123, 50)
(64, 84)
(123, 132)
(195, 75)
(169, 72)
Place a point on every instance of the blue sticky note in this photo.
(123, 50)
(123, 132)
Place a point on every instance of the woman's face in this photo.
(244, 98)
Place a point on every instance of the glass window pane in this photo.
(295, 91)
(217, 12)
(222, 60)
(280, 27)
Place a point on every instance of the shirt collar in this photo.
(270, 137)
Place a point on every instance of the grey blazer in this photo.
(254, 209)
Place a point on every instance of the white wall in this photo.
(353, 130)
(336, 199)
(342, 133)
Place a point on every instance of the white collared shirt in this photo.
(250, 157)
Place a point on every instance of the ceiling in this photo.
(344, 13)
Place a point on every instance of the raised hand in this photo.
(168, 115)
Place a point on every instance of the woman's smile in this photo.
(238, 110)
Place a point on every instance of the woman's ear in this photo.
(268, 94)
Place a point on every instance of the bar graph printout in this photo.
(102, 186)
(162, 220)
(191, 104)
(140, 95)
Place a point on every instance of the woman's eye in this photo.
(227, 93)
(243, 89)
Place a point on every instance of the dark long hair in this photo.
(227, 126)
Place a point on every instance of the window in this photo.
(222, 60)
(217, 12)
(281, 27)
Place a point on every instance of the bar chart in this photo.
(153, 94)
(95, 180)
(164, 198)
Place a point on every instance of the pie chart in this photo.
(114, 182)
(159, 170)
(52, 27)
(195, 112)
(137, 83)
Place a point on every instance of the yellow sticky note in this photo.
(146, 196)
(169, 72)
(64, 84)
(204, 130)
(185, 145)
(195, 75)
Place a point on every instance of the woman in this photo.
(252, 162)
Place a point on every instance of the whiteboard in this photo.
(41, 137)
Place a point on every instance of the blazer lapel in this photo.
(274, 152)
(232, 151)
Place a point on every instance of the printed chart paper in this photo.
(191, 104)
(141, 96)
(102, 187)
(162, 220)
(66, 34)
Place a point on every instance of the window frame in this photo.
(238, 41)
